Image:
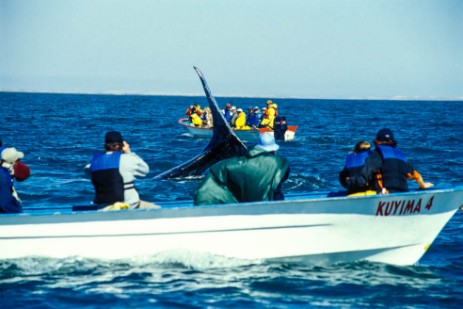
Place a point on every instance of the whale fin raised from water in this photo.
(224, 143)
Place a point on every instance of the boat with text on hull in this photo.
(250, 135)
(312, 228)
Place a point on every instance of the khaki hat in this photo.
(11, 155)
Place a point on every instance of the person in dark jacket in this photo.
(354, 164)
(386, 170)
(256, 177)
(253, 118)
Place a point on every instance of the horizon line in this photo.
(122, 93)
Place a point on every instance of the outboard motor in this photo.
(279, 128)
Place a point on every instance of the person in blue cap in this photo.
(253, 118)
(386, 170)
(256, 177)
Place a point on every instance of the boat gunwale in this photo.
(185, 209)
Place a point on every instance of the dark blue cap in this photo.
(113, 137)
(385, 135)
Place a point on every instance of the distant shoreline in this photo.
(116, 93)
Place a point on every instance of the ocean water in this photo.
(60, 132)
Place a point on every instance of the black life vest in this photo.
(106, 178)
(352, 168)
(394, 169)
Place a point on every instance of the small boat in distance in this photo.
(251, 135)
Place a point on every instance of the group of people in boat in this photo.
(237, 118)
(199, 117)
(113, 173)
(257, 176)
(382, 170)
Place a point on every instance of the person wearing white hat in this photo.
(256, 177)
(9, 199)
(234, 116)
(240, 122)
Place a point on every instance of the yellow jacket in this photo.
(196, 120)
(269, 119)
(240, 123)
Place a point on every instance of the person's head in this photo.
(11, 155)
(113, 141)
(385, 137)
(239, 110)
(233, 109)
(250, 109)
(256, 109)
(362, 146)
(228, 106)
(267, 142)
(269, 102)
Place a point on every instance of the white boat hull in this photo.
(394, 229)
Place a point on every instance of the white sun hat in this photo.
(11, 155)
(267, 142)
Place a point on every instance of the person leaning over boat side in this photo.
(386, 169)
(256, 177)
(240, 123)
(113, 173)
(21, 170)
(11, 168)
(355, 161)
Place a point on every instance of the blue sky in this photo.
(287, 48)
